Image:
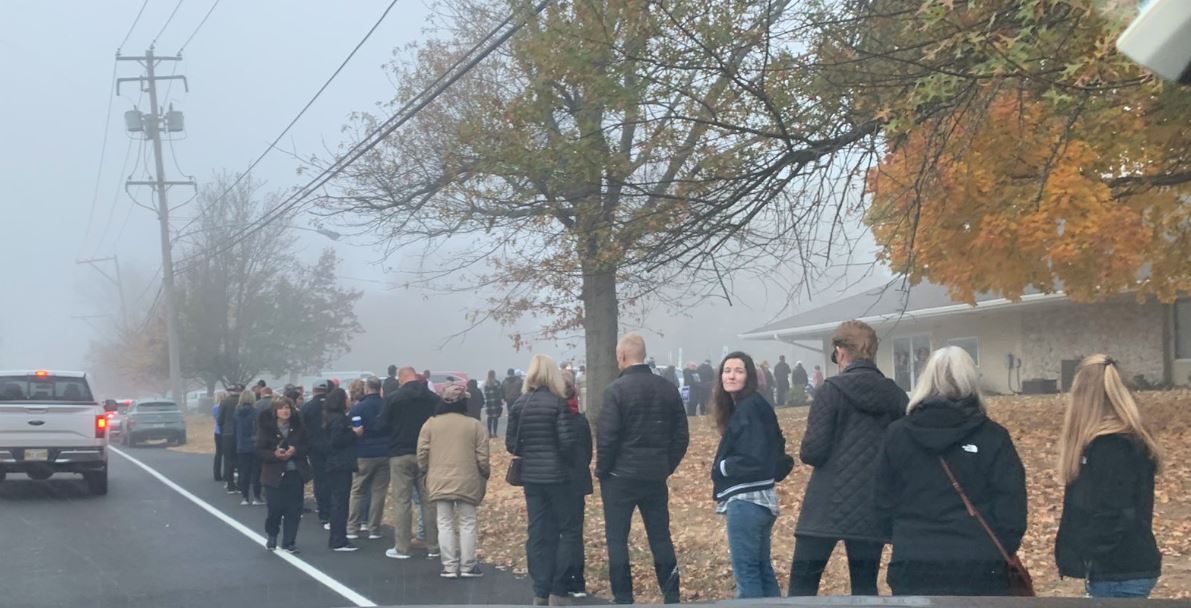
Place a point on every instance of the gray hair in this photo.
(950, 373)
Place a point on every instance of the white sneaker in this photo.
(352, 536)
(473, 573)
(392, 553)
(327, 526)
(244, 503)
(374, 537)
(363, 527)
(449, 574)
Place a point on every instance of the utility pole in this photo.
(151, 125)
(94, 263)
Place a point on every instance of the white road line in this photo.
(313, 572)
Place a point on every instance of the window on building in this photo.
(1182, 329)
(910, 354)
(972, 345)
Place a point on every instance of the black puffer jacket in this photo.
(1107, 529)
(642, 431)
(842, 442)
(581, 465)
(541, 431)
(404, 413)
(923, 514)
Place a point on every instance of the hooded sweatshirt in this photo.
(842, 442)
(920, 509)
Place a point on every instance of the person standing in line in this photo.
(671, 375)
(542, 433)
(798, 384)
(263, 405)
(404, 413)
(250, 482)
(227, 426)
(1108, 460)
(355, 392)
(453, 457)
(764, 382)
(817, 379)
(573, 576)
(690, 379)
(939, 546)
(642, 438)
(706, 381)
(511, 387)
(391, 384)
(312, 421)
(749, 460)
(281, 447)
(844, 431)
(218, 467)
(581, 385)
(370, 486)
(475, 399)
(339, 444)
(781, 375)
(493, 399)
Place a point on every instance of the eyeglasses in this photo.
(834, 359)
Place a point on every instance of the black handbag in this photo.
(514, 477)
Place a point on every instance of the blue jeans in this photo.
(1140, 587)
(750, 527)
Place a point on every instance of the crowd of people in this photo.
(929, 473)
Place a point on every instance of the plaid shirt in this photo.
(762, 498)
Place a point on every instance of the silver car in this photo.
(148, 419)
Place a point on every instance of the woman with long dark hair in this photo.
(281, 446)
(748, 462)
(1107, 459)
(493, 402)
(339, 437)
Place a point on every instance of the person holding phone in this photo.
(339, 437)
(281, 447)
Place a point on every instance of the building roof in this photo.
(888, 303)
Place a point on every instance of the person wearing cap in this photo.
(844, 436)
(312, 420)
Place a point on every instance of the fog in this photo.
(250, 69)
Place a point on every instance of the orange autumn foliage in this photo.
(1019, 196)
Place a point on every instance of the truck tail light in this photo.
(101, 426)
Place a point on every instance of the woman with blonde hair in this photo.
(1107, 459)
(453, 454)
(355, 392)
(939, 546)
(541, 433)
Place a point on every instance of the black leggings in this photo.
(811, 554)
(493, 425)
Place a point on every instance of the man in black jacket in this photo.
(781, 374)
(511, 388)
(844, 433)
(391, 384)
(404, 413)
(227, 424)
(312, 421)
(643, 436)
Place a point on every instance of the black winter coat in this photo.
(493, 400)
(542, 432)
(781, 373)
(642, 431)
(511, 387)
(919, 508)
(475, 402)
(844, 429)
(405, 411)
(312, 421)
(581, 463)
(227, 415)
(268, 438)
(1107, 529)
(339, 444)
(750, 450)
(798, 377)
(389, 387)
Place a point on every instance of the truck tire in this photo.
(97, 481)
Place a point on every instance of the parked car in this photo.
(148, 419)
(50, 423)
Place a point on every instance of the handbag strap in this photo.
(973, 512)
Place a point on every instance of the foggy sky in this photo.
(250, 69)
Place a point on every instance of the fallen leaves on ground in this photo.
(701, 542)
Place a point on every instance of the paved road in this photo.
(146, 544)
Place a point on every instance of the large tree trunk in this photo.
(600, 327)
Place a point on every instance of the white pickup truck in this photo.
(50, 423)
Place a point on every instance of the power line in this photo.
(133, 27)
(107, 123)
(167, 23)
(115, 198)
(198, 27)
(294, 121)
(407, 112)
